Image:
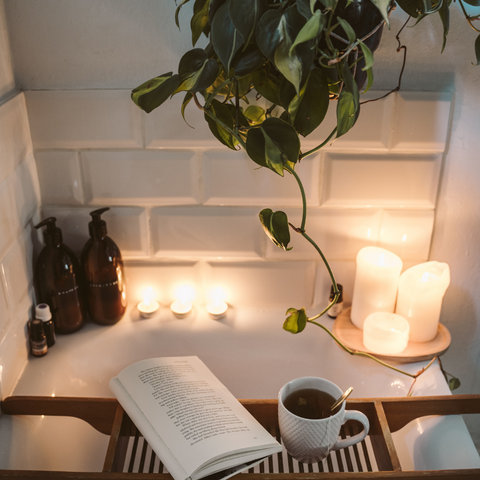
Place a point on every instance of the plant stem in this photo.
(368, 355)
(469, 19)
(215, 92)
(306, 154)
(302, 232)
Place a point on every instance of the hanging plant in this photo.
(301, 57)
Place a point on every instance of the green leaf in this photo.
(369, 80)
(222, 113)
(255, 114)
(199, 20)
(152, 94)
(177, 11)
(351, 35)
(274, 140)
(477, 50)
(267, 84)
(275, 225)
(226, 39)
(454, 383)
(185, 102)
(308, 109)
(267, 33)
(382, 6)
(303, 7)
(289, 65)
(197, 71)
(274, 157)
(213, 7)
(445, 17)
(296, 320)
(368, 56)
(248, 60)
(412, 7)
(348, 105)
(310, 30)
(245, 15)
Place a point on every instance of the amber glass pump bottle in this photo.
(58, 280)
(102, 266)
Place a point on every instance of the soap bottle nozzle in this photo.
(97, 224)
(52, 232)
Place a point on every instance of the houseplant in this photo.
(301, 56)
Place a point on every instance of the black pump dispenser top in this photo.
(52, 234)
(97, 225)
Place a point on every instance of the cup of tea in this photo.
(309, 429)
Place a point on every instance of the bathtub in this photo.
(248, 351)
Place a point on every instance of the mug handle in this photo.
(347, 442)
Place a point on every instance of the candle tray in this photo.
(352, 337)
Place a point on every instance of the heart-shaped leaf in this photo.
(311, 29)
(177, 11)
(273, 144)
(367, 55)
(349, 31)
(308, 109)
(382, 6)
(226, 39)
(296, 320)
(222, 113)
(197, 71)
(200, 19)
(477, 50)
(152, 94)
(267, 84)
(275, 225)
(248, 60)
(255, 114)
(245, 15)
(303, 7)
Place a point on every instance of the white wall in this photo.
(19, 211)
(94, 45)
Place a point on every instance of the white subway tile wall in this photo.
(19, 211)
(184, 205)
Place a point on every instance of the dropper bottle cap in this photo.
(52, 234)
(97, 226)
(42, 312)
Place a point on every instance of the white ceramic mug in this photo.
(310, 441)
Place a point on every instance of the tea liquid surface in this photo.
(310, 403)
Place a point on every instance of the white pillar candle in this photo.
(420, 294)
(385, 333)
(376, 282)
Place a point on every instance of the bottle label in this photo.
(66, 292)
(103, 285)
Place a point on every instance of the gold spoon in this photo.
(341, 399)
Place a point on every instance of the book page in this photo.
(198, 418)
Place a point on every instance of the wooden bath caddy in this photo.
(128, 456)
(352, 337)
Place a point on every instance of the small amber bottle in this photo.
(102, 266)
(38, 340)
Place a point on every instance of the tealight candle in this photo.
(181, 308)
(182, 305)
(376, 282)
(385, 333)
(147, 307)
(217, 309)
(420, 295)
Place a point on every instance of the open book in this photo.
(192, 422)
